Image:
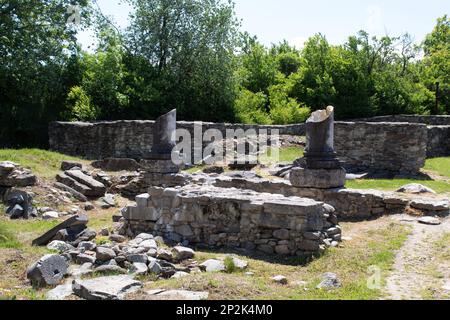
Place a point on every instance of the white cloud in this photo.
(375, 21)
(298, 42)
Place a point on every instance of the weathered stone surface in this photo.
(329, 281)
(84, 258)
(68, 165)
(230, 217)
(182, 253)
(95, 188)
(50, 215)
(49, 270)
(117, 238)
(280, 279)
(317, 178)
(430, 221)
(76, 222)
(61, 292)
(12, 175)
(139, 258)
(60, 246)
(105, 288)
(430, 204)
(20, 204)
(162, 294)
(415, 188)
(108, 269)
(139, 268)
(77, 195)
(105, 254)
(212, 265)
(116, 164)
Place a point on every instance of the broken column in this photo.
(157, 165)
(320, 167)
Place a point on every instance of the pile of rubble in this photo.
(79, 256)
(13, 175)
(79, 182)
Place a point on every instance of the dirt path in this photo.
(422, 266)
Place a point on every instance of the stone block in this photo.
(317, 178)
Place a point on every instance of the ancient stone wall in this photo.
(438, 144)
(270, 223)
(350, 204)
(398, 147)
(430, 120)
(395, 147)
(131, 139)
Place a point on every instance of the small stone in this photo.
(181, 253)
(67, 165)
(60, 246)
(105, 254)
(212, 265)
(280, 279)
(88, 206)
(87, 245)
(281, 234)
(144, 236)
(140, 258)
(104, 232)
(49, 270)
(154, 267)
(139, 268)
(164, 254)
(329, 281)
(117, 238)
(50, 215)
(83, 258)
(430, 221)
(105, 288)
(415, 188)
(240, 264)
(180, 274)
(60, 292)
(148, 244)
(110, 268)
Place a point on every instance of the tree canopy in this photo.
(191, 55)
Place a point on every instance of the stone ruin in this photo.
(320, 167)
(201, 213)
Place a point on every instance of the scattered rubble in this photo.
(13, 175)
(329, 281)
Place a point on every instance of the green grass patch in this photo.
(8, 239)
(288, 154)
(439, 165)
(45, 164)
(394, 184)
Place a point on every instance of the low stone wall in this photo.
(430, 120)
(350, 204)
(270, 223)
(438, 144)
(131, 139)
(395, 147)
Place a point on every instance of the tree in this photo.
(190, 46)
(38, 64)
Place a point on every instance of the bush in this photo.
(80, 106)
(249, 108)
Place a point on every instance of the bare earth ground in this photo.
(422, 266)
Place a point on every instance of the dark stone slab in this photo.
(76, 221)
(164, 135)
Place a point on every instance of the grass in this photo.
(288, 154)
(45, 164)
(439, 165)
(394, 184)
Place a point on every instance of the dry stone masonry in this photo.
(270, 223)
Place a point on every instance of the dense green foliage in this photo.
(190, 55)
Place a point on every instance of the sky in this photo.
(296, 20)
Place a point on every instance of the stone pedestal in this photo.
(317, 178)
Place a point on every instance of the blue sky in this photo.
(297, 20)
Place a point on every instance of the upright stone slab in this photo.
(319, 168)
